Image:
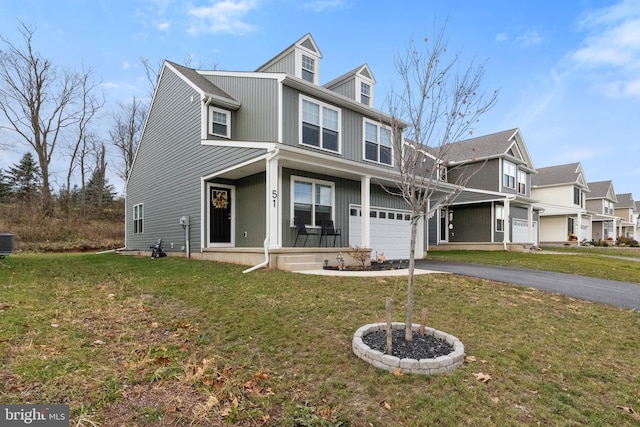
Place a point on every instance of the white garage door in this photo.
(390, 231)
(520, 231)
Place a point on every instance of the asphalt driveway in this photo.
(620, 294)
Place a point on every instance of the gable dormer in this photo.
(357, 84)
(301, 59)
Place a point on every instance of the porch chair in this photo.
(301, 230)
(328, 229)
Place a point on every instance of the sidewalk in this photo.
(369, 273)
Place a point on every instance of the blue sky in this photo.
(568, 71)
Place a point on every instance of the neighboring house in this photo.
(229, 160)
(625, 210)
(601, 202)
(561, 191)
(496, 210)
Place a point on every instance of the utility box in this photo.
(6, 244)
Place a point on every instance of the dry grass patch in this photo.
(180, 342)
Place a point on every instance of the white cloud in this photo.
(163, 25)
(529, 38)
(125, 65)
(225, 16)
(322, 5)
(502, 37)
(611, 49)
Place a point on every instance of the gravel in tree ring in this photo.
(422, 347)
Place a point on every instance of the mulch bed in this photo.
(422, 347)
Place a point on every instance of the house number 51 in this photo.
(274, 196)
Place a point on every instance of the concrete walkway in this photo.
(371, 273)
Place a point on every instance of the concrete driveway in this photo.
(620, 294)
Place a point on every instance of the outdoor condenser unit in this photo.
(6, 244)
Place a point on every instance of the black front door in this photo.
(220, 216)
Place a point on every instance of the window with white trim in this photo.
(499, 218)
(312, 200)
(365, 93)
(509, 175)
(577, 196)
(320, 125)
(219, 122)
(522, 182)
(308, 68)
(377, 143)
(138, 219)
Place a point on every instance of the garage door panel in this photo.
(389, 235)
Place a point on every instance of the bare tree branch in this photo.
(435, 106)
(40, 102)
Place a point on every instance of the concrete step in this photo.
(298, 263)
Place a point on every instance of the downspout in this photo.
(267, 238)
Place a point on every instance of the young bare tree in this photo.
(439, 104)
(125, 133)
(90, 103)
(40, 102)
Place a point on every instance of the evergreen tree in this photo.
(5, 187)
(98, 190)
(25, 179)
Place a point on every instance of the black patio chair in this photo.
(302, 230)
(328, 229)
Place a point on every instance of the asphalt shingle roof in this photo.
(556, 175)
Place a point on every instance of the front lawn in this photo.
(138, 342)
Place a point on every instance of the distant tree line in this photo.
(54, 112)
(21, 184)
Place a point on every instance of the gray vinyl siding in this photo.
(432, 229)
(169, 164)
(346, 88)
(480, 175)
(347, 192)
(471, 223)
(518, 212)
(257, 118)
(250, 212)
(286, 64)
(351, 131)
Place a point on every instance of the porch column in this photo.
(579, 227)
(273, 204)
(507, 222)
(365, 205)
(530, 221)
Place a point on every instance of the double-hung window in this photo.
(365, 93)
(308, 68)
(499, 218)
(509, 175)
(313, 200)
(219, 122)
(522, 182)
(577, 196)
(138, 219)
(320, 125)
(377, 143)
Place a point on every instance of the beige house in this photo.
(601, 203)
(560, 191)
(625, 210)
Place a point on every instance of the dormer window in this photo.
(365, 93)
(219, 122)
(308, 68)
